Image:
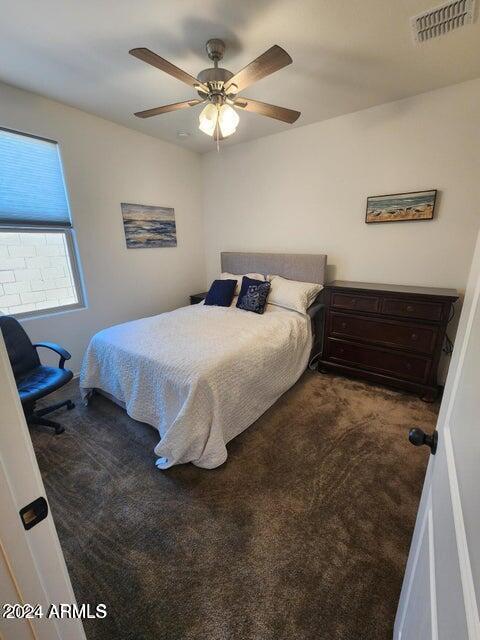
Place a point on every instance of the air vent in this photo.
(443, 19)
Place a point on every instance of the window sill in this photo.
(44, 313)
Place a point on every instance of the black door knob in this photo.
(418, 437)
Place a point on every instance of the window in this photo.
(38, 267)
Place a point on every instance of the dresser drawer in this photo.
(355, 302)
(414, 337)
(394, 363)
(412, 309)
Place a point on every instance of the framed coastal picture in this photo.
(400, 207)
(148, 226)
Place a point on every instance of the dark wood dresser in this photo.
(389, 334)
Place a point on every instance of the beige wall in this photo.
(301, 190)
(305, 190)
(106, 164)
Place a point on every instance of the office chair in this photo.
(34, 380)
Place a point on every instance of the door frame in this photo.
(34, 558)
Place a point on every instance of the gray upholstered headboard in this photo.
(305, 267)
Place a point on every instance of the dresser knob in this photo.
(354, 301)
(408, 365)
(341, 350)
(414, 336)
(344, 325)
(409, 307)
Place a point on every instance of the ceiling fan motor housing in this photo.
(215, 77)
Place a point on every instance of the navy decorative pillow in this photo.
(253, 295)
(221, 293)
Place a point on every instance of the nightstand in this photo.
(198, 297)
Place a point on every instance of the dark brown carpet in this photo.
(302, 534)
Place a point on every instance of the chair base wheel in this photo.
(45, 422)
(37, 417)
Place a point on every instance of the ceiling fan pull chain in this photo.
(217, 135)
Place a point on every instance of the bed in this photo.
(201, 374)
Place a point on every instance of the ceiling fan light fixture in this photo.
(227, 120)
(207, 120)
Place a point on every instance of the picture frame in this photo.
(409, 206)
(148, 226)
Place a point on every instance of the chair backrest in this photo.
(22, 354)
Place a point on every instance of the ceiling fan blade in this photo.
(160, 63)
(269, 110)
(272, 60)
(156, 111)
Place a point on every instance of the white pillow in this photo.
(292, 294)
(230, 276)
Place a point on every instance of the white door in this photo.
(32, 568)
(439, 598)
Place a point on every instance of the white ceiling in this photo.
(347, 55)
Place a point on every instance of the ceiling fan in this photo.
(219, 88)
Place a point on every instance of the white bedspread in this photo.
(200, 375)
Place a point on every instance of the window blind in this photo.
(32, 189)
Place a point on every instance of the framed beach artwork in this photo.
(401, 207)
(148, 227)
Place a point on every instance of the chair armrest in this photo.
(63, 353)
